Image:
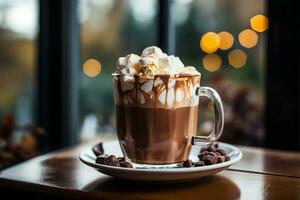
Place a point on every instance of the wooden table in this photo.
(261, 174)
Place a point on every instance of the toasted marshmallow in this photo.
(132, 60)
(152, 61)
(128, 65)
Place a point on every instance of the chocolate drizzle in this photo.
(184, 84)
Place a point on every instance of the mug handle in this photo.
(218, 119)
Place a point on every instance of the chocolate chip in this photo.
(210, 154)
(216, 145)
(202, 155)
(112, 161)
(188, 163)
(217, 153)
(211, 148)
(227, 158)
(210, 159)
(126, 164)
(199, 164)
(221, 159)
(203, 149)
(121, 159)
(98, 149)
(100, 159)
(221, 151)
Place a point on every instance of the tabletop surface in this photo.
(261, 174)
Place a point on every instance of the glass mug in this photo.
(157, 117)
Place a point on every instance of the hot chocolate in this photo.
(156, 135)
(156, 107)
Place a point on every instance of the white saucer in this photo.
(161, 174)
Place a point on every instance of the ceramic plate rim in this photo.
(83, 158)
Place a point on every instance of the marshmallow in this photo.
(128, 71)
(153, 50)
(122, 62)
(146, 61)
(128, 65)
(188, 70)
(147, 87)
(157, 82)
(170, 97)
(162, 97)
(132, 60)
(171, 83)
(179, 95)
(170, 64)
(153, 61)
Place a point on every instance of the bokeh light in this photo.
(211, 62)
(237, 58)
(248, 38)
(259, 23)
(226, 40)
(210, 42)
(92, 67)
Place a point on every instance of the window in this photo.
(109, 29)
(18, 30)
(241, 87)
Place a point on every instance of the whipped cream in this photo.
(152, 62)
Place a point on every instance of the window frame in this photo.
(58, 72)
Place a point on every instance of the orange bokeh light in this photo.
(211, 62)
(226, 40)
(259, 23)
(210, 42)
(92, 67)
(237, 58)
(248, 38)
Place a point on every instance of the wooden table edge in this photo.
(75, 193)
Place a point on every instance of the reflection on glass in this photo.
(210, 42)
(237, 58)
(212, 62)
(248, 38)
(226, 40)
(259, 23)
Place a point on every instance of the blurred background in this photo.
(109, 29)
(52, 94)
